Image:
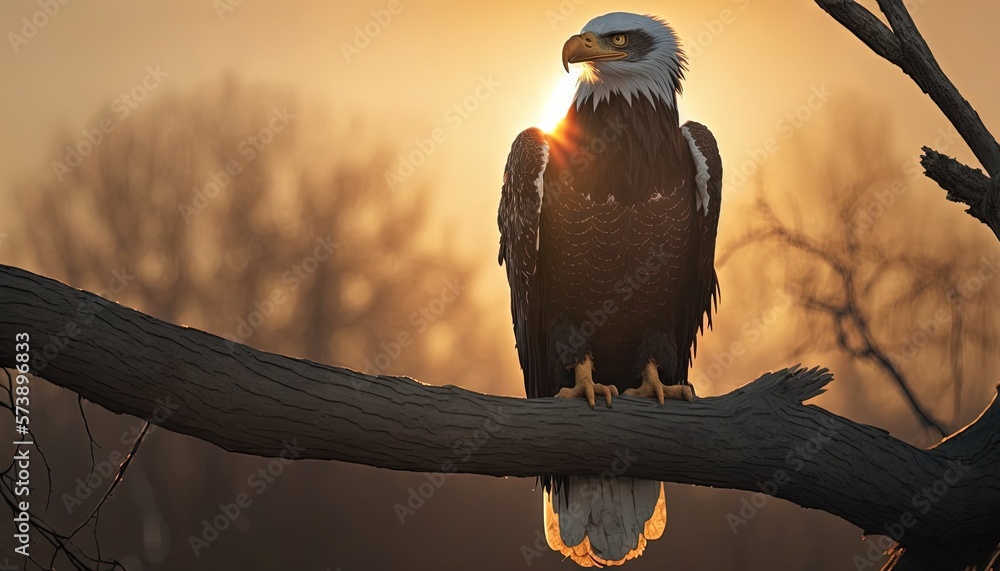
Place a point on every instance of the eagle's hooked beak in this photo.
(584, 47)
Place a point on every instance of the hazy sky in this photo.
(752, 62)
(756, 67)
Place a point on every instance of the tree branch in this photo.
(908, 50)
(843, 312)
(965, 185)
(919, 63)
(866, 26)
(905, 47)
(759, 437)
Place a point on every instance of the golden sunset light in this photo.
(353, 285)
(559, 101)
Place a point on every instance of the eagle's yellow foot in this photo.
(652, 387)
(586, 387)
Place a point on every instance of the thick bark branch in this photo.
(919, 63)
(905, 47)
(965, 185)
(759, 437)
(866, 26)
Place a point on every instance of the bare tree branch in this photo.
(919, 63)
(965, 185)
(62, 544)
(850, 321)
(95, 513)
(905, 47)
(866, 26)
(908, 50)
(759, 437)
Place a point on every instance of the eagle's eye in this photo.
(619, 40)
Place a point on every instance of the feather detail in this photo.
(701, 169)
(601, 522)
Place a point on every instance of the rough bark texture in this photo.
(942, 504)
(902, 44)
(760, 437)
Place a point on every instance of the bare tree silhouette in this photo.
(738, 440)
(230, 210)
(869, 266)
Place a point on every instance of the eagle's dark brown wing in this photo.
(705, 152)
(520, 241)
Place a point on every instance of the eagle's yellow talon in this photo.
(652, 387)
(586, 387)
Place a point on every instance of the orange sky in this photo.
(745, 74)
(752, 62)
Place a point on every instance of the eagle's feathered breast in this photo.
(608, 225)
(617, 228)
(607, 232)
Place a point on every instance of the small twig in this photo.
(62, 544)
(90, 437)
(117, 479)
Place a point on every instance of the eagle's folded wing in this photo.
(521, 201)
(708, 165)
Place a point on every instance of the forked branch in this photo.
(760, 437)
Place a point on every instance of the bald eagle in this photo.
(607, 231)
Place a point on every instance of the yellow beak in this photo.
(584, 47)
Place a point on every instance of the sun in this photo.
(559, 100)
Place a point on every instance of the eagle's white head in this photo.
(626, 54)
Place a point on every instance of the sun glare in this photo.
(559, 100)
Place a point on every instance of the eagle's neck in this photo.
(656, 80)
(626, 149)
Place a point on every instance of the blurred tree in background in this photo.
(883, 271)
(245, 212)
(239, 210)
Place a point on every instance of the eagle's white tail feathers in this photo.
(598, 521)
